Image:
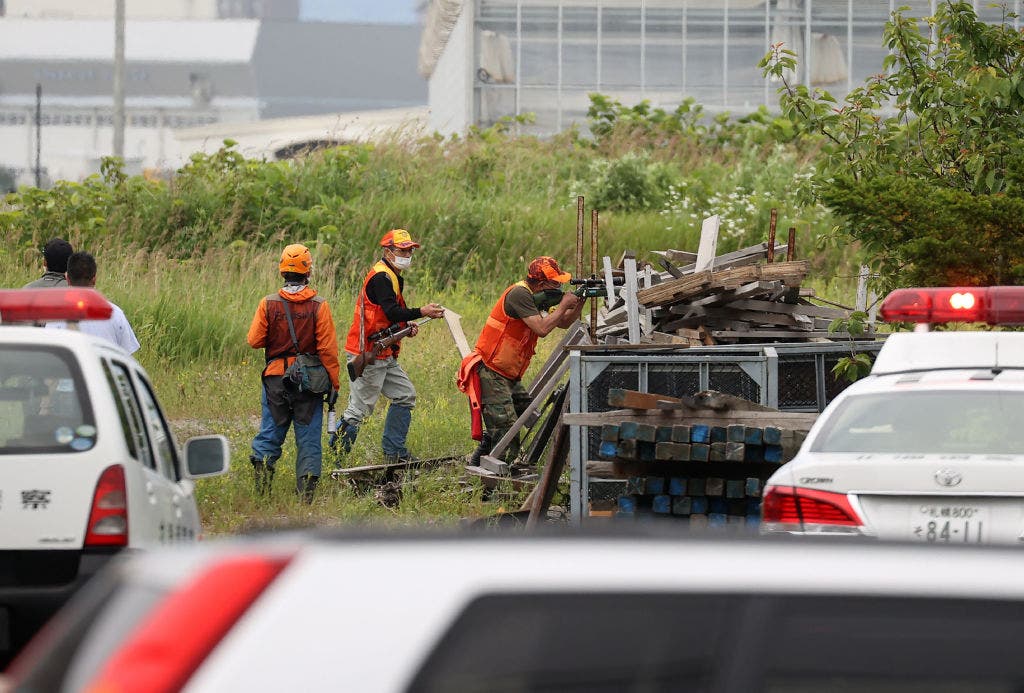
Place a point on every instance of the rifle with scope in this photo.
(592, 286)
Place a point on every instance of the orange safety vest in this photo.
(506, 344)
(374, 318)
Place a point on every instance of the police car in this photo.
(930, 446)
(88, 464)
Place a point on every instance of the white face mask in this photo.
(401, 263)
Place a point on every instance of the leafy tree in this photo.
(925, 161)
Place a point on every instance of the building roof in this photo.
(269, 138)
(192, 41)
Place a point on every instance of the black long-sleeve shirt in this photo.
(380, 292)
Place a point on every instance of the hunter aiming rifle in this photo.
(380, 340)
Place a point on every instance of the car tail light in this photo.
(167, 647)
(996, 305)
(108, 519)
(805, 510)
(40, 305)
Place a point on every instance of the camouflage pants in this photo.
(502, 401)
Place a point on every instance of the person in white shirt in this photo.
(116, 329)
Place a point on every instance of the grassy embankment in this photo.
(188, 261)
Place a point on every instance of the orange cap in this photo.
(546, 268)
(399, 238)
(296, 258)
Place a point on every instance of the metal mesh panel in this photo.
(606, 489)
(798, 383)
(833, 385)
(674, 380)
(625, 376)
(732, 380)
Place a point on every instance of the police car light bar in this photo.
(995, 305)
(40, 305)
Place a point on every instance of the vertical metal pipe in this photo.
(593, 271)
(771, 234)
(684, 48)
(118, 148)
(791, 247)
(600, 46)
(643, 49)
(806, 58)
(767, 46)
(559, 87)
(725, 53)
(580, 224)
(39, 135)
(849, 46)
(519, 55)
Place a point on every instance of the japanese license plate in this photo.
(949, 524)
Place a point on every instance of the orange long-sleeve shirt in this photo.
(326, 340)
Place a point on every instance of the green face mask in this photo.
(547, 299)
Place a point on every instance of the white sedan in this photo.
(930, 446)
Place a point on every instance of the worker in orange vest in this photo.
(491, 374)
(379, 306)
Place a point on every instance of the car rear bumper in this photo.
(26, 605)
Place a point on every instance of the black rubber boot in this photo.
(482, 449)
(263, 475)
(305, 486)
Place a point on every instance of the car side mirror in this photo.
(207, 456)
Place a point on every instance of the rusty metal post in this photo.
(593, 273)
(791, 249)
(771, 235)
(580, 222)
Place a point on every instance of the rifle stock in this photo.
(356, 365)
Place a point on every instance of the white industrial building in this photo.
(203, 67)
(488, 59)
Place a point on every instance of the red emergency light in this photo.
(41, 305)
(995, 305)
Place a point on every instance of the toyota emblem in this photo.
(948, 477)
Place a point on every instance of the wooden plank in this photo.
(611, 300)
(634, 399)
(790, 273)
(737, 258)
(712, 399)
(552, 470)
(632, 305)
(671, 269)
(754, 333)
(454, 322)
(789, 308)
(393, 466)
(801, 421)
(491, 480)
(755, 288)
(708, 243)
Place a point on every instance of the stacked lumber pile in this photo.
(702, 459)
(739, 297)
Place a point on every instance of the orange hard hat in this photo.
(546, 268)
(398, 238)
(296, 258)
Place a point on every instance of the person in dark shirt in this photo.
(55, 264)
(491, 374)
(379, 306)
